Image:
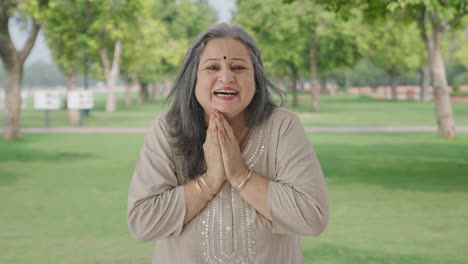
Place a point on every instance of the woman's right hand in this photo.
(215, 175)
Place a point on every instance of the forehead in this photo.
(225, 47)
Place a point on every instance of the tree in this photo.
(461, 52)
(13, 59)
(435, 17)
(109, 24)
(395, 47)
(65, 30)
(275, 28)
(155, 49)
(306, 37)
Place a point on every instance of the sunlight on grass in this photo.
(394, 198)
(343, 110)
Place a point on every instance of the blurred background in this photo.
(381, 87)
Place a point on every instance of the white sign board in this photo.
(24, 100)
(47, 100)
(80, 99)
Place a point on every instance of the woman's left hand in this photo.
(232, 158)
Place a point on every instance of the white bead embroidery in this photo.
(242, 228)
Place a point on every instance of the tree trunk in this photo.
(156, 92)
(323, 85)
(333, 87)
(73, 114)
(12, 113)
(143, 93)
(167, 87)
(129, 90)
(111, 71)
(128, 95)
(293, 83)
(13, 61)
(424, 82)
(347, 82)
(426, 67)
(394, 80)
(314, 83)
(443, 105)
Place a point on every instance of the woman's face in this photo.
(225, 77)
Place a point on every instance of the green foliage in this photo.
(276, 29)
(74, 26)
(285, 31)
(65, 32)
(460, 43)
(444, 11)
(396, 46)
(34, 9)
(155, 48)
(365, 73)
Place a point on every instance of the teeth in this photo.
(225, 95)
(226, 92)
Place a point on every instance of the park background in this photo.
(397, 180)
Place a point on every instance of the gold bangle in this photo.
(244, 182)
(197, 186)
(204, 182)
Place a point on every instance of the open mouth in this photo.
(226, 93)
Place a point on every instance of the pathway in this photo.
(341, 129)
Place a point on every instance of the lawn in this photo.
(394, 198)
(343, 110)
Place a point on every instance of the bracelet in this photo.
(244, 182)
(204, 182)
(200, 191)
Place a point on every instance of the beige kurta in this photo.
(228, 230)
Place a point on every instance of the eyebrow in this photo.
(214, 59)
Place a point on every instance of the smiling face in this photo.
(225, 77)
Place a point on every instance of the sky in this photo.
(42, 52)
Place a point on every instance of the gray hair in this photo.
(186, 116)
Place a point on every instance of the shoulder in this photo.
(283, 114)
(282, 119)
(160, 123)
(160, 128)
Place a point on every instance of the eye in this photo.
(238, 68)
(212, 67)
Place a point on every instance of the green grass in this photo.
(394, 198)
(343, 110)
(347, 110)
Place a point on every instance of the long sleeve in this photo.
(156, 202)
(297, 199)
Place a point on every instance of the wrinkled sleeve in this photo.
(156, 202)
(297, 199)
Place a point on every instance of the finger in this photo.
(211, 125)
(207, 137)
(220, 124)
(225, 156)
(228, 129)
(210, 131)
(221, 131)
(215, 137)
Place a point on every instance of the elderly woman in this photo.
(226, 176)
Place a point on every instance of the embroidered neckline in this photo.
(233, 220)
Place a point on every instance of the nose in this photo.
(226, 76)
